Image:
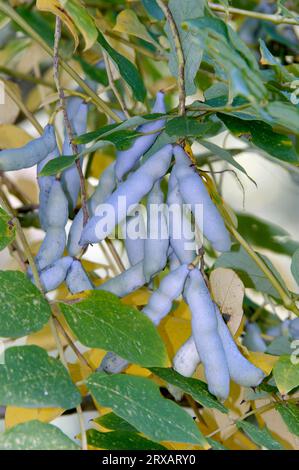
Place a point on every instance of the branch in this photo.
(113, 86)
(67, 122)
(11, 13)
(276, 19)
(31, 118)
(179, 53)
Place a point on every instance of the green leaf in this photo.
(215, 444)
(284, 115)
(34, 435)
(101, 320)
(30, 378)
(229, 54)
(120, 440)
(290, 414)
(182, 11)
(295, 265)
(114, 423)
(83, 21)
(262, 136)
(57, 165)
(153, 9)
(38, 22)
(187, 127)
(97, 74)
(286, 374)
(194, 387)
(263, 234)
(138, 401)
(127, 70)
(7, 229)
(23, 309)
(261, 437)
(250, 274)
(224, 155)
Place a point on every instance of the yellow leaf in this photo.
(9, 111)
(266, 362)
(228, 292)
(174, 332)
(128, 22)
(15, 415)
(101, 160)
(137, 298)
(83, 21)
(138, 370)
(12, 136)
(55, 7)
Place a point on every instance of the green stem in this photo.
(25, 77)
(31, 118)
(276, 19)
(283, 293)
(11, 13)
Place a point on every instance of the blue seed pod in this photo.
(77, 279)
(57, 207)
(77, 111)
(127, 159)
(126, 196)
(274, 331)
(194, 192)
(55, 274)
(171, 287)
(253, 340)
(52, 247)
(186, 359)
(294, 328)
(134, 234)
(30, 154)
(113, 364)
(126, 282)
(45, 185)
(157, 242)
(181, 236)
(174, 261)
(206, 336)
(240, 369)
(104, 188)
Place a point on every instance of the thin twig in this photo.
(113, 86)
(78, 353)
(115, 255)
(276, 19)
(23, 76)
(180, 55)
(14, 15)
(13, 189)
(68, 126)
(19, 102)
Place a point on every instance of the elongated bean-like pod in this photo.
(57, 209)
(171, 287)
(174, 261)
(157, 241)
(186, 359)
(127, 159)
(45, 184)
(77, 279)
(181, 236)
(52, 247)
(158, 307)
(77, 112)
(240, 369)
(253, 340)
(126, 282)
(294, 328)
(104, 188)
(206, 336)
(134, 234)
(194, 192)
(55, 274)
(113, 364)
(56, 215)
(30, 154)
(126, 196)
